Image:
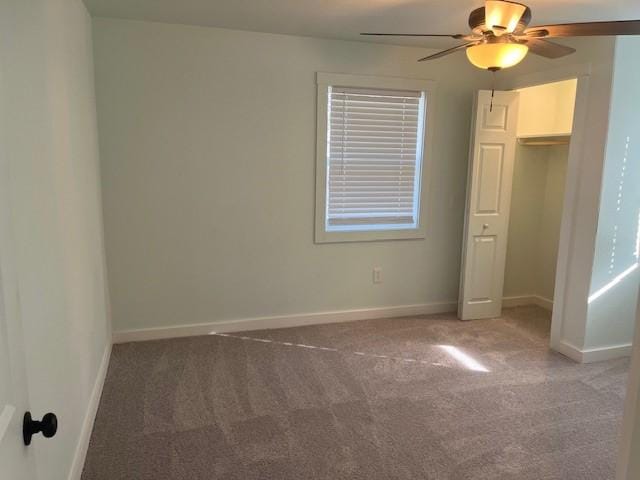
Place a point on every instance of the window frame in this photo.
(323, 82)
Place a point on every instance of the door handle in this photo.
(48, 426)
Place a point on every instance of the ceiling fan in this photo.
(500, 36)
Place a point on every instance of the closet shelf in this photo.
(541, 140)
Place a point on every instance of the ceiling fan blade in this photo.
(622, 27)
(449, 51)
(548, 49)
(456, 35)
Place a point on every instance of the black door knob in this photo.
(48, 426)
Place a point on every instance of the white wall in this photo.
(48, 109)
(534, 225)
(207, 140)
(611, 317)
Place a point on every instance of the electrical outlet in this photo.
(377, 275)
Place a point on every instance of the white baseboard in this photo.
(568, 350)
(606, 353)
(259, 323)
(90, 416)
(521, 300)
(591, 355)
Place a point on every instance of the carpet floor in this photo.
(406, 398)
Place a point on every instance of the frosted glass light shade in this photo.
(496, 55)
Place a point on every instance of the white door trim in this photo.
(568, 225)
(558, 74)
(90, 417)
(628, 458)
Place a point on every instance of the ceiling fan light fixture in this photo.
(501, 36)
(496, 56)
(502, 17)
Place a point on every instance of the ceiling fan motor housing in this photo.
(477, 21)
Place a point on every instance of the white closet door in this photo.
(491, 158)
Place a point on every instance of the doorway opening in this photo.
(544, 128)
(521, 160)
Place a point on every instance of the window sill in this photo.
(323, 236)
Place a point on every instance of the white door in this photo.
(16, 460)
(491, 157)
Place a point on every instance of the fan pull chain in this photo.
(493, 89)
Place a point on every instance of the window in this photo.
(371, 139)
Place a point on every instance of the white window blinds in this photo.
(374, 154)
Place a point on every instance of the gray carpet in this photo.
(409, 398)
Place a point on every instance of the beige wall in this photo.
(547, 109)
(538, 190)
(207, 140)
(534, 224)
(551, 217)
(529, 179)
(49, 139)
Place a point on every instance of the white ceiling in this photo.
(344, 19)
